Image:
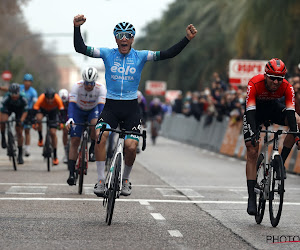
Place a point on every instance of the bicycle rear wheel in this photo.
(259, 189)
(12, 149)
(276, 190)
(112, 190)
(82, 164)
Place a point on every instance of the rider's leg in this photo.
(252, 154)
(92, 146)
(65, 143)
(73, 154)
(39, 117)
(4, 118)
(100, 152)
(54, 145)
(130, 154)
(27, 141)
(19, 132)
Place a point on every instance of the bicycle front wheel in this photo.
(259, 189)
(82, 164)
(112, 190)
(276, 190)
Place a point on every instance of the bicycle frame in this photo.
(267, 160)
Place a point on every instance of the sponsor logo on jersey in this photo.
(117, 68)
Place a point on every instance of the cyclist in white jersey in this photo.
(123, 68)
(86, 102)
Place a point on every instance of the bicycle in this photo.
(113, 181)
(11, 144)
(270, 178)
(81, 166)
(47, 148)
(155, 127)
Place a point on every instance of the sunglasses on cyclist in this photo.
(89, 83)
(127, 35)
(273, 78)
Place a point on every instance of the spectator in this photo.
(177, 108)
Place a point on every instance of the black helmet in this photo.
(14, 88)
(49, 93)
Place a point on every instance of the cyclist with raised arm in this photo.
(87, 100)
(14, 101)
(64, 95)
(123, 68)
(262, 104)
(49, 103)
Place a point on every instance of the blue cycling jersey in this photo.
(122, 72)
(31, 95)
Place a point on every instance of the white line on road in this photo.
(157, 216)
(145, 203)
(175, 233)
(24, 193)
(131, 200)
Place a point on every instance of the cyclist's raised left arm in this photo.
(173, 51)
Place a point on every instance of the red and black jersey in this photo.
(257, 92)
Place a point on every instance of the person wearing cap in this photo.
(14, 101)
(64, 95)
(31, 96)
(123, 68)
(262, 104)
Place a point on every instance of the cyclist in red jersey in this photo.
(262, 104)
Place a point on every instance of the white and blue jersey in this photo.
(122, 72)
(31, 95)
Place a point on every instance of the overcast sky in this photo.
(56, 16)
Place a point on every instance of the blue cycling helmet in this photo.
(28, 77)
(124, 27)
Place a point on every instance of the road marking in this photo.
(131, 200)
(157, 216)
(26, 190)
(145, 203)
(175, 233)
(179, 192)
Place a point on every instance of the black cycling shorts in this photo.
(52, 116)
(121, 111)
(273, 111)
(18, 112)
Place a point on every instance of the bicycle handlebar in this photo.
(123, 132)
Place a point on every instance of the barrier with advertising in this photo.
(220, 137)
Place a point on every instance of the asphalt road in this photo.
(183, 198)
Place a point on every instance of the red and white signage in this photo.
(241, 71)
(171, 95)
(156, 88)
(6, 75)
